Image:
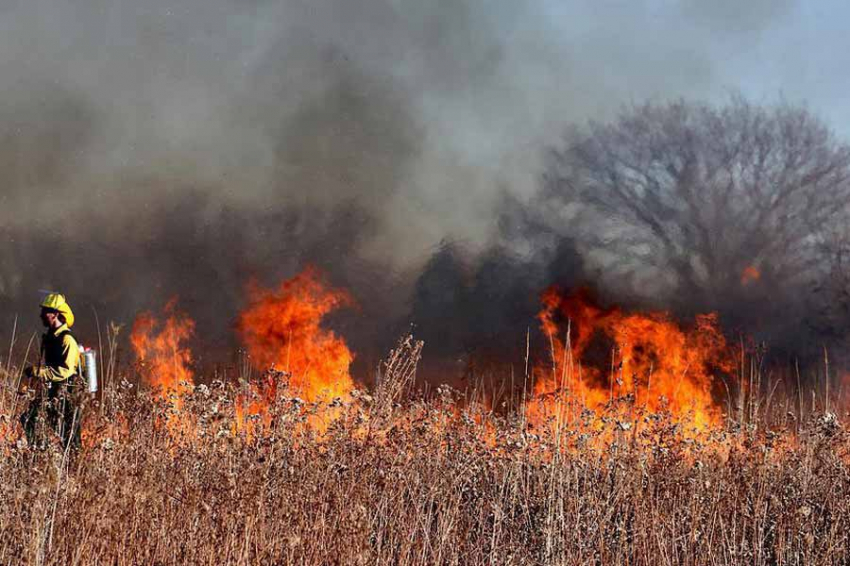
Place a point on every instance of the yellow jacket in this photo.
(61, 355)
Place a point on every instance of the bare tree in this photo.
(830, 301)
(707, 199)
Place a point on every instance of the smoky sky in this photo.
(418, 110)
(157, 148)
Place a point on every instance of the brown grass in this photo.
(397, 480)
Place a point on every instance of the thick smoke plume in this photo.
(153, 149)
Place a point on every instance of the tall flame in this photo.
(282, 328)
(652, 360)
(162, 351)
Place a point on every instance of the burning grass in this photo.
(634, 465)
(654, 361)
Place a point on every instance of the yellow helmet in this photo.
(58, 303)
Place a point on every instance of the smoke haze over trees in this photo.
(723, 209)
(150, 150)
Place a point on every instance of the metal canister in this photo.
(91, 370)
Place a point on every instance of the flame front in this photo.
(654, 363)
(605, 360)
(282, 329)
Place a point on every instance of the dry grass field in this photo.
(387, 478)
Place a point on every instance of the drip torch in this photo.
(90, 368)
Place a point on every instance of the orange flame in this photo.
(162, 352)
(653, 362)
(252, 407)
(282, 328)
(751, 274)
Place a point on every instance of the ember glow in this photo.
(751, 274)
(281, 328)
(644, 358)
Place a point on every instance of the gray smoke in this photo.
(153, 149)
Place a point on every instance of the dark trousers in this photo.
(56, 405)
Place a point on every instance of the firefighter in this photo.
(55, 378)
